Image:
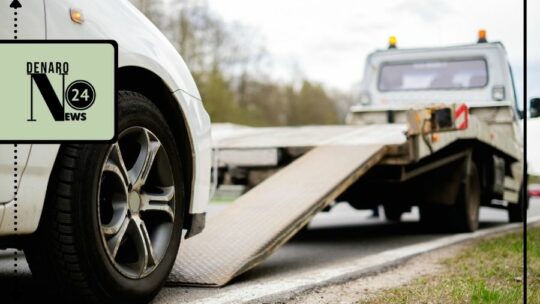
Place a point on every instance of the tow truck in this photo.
(436, 128)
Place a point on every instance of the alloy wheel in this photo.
(136, 202)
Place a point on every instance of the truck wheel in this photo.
(112, 222)
(515, 211)
(392, 213)
(465, 212)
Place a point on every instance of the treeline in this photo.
(228, 62)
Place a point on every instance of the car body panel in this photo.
(31, 191)
(199, 122)
(30, 20)
(8, 166)
(140, 43)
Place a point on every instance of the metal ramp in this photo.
(265, 218)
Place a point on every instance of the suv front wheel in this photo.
(112, 222)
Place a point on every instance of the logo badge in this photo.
(59, 91)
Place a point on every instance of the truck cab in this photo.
(477, 75)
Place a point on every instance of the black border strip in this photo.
(114, 44)
(525, 193)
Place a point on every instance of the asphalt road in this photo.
(333, 237)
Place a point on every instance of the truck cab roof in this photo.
(486, 45)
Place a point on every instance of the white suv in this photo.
(103, 222)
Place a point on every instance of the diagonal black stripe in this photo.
(47, 91)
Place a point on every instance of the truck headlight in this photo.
(365, 98)
(498, 93)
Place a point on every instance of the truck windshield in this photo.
(448, 74)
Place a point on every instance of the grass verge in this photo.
(488, 271)
(533, 179)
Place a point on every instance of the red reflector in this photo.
(462, 117)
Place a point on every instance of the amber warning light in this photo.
(76, 15)
(392, 42)
(482, 36)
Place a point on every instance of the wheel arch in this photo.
(149, 84)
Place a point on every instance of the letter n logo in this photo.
(49, 96)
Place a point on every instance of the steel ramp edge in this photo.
(265, 218)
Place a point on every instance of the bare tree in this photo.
(226, 62)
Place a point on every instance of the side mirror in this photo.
(535, 107)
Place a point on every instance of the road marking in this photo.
(344, 271)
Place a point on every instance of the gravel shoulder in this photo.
(481, 271)
(367, 287)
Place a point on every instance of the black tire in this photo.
(462, 216)
(465, 212)
(68, 254)
(515, 211)
(392, 213)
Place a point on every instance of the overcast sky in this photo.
(533, 48)
(327, 41)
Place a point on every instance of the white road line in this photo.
(343, 271)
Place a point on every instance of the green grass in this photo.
(489, 271)
(534, 179)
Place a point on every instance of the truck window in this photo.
(423, 75)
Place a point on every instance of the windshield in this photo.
(448, 74)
